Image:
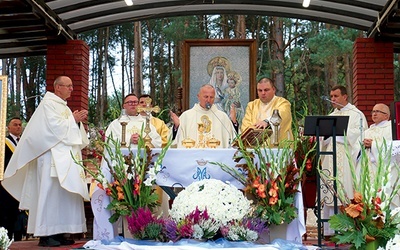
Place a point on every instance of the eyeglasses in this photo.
(68, 86)
(131, 102)
(378, 111)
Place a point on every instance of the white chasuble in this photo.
(352, 138)
(136, 125)
(42, 174)
(201, 125)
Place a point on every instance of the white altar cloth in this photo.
(188, 244)
(181, 167)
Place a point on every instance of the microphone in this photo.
(325, 98)
(208, 105)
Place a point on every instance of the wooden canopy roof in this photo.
(28, 26)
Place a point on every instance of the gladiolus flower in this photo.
(308, 165)
(273, 200)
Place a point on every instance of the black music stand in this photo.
(326, 126)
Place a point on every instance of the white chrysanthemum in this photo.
(5, 242)
(392, 244)
(224, 202)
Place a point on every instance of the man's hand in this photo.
(261, 124)
(175, 119)
(80, 116)
(135, 138)
(367, 143)
(232, 114)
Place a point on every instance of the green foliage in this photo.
(370, 214)
(328, 44)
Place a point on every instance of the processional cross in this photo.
(148, 109)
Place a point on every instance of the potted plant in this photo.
(370, 218)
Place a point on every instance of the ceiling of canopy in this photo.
(28, 26)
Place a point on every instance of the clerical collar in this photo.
(381, 124)
(345, 107)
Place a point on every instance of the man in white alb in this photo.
(205, 122)
(43, 176)
(342, 107)
(136, 123)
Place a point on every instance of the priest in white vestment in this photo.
(42, 174)
(357, 124)
(378, 132)
(259, 112)
(205, 124)
(375, 136)
(136, 124)
(102, 228)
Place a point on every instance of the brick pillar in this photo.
(373, 74)
(72, 60)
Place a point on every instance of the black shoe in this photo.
(48, 242)
(63, 240)
(66, 242)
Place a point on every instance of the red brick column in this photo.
(72, 60)
(373, 74)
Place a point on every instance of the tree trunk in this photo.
(138, 59)
(240, 30)
(279, 55)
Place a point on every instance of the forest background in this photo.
(305, 58)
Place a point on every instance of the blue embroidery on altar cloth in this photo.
(201, 174)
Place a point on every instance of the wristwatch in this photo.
(266, 120)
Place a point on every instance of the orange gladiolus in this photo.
(120, 196)
(256, 182)
(100, 185)
(273, 200)
(108, 192)
(262, 195)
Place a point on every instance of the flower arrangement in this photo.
(370, 215)
(196, 225)
(143, 224)
(248, 229)
(210, 208)
(270, 179)
(127, 179)
(5, 242)
(223, 202)
(305, 153)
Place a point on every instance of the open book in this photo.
(253, 137)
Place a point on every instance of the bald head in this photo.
(206, 95)
(380, 112)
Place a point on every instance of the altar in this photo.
(181, 167)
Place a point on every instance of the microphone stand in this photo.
(208, 107)
(351, 109)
